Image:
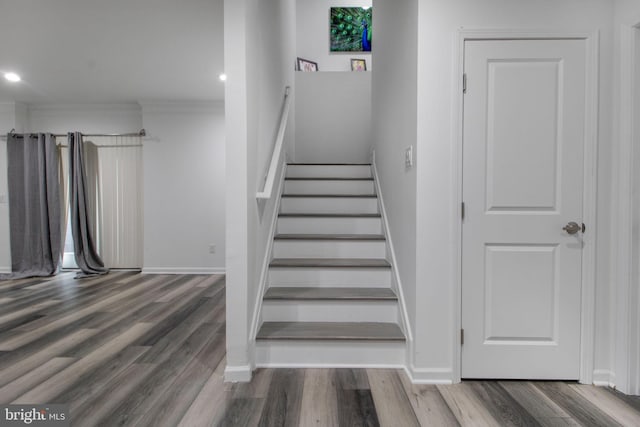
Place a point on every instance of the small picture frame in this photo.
(358, 64)
(305, 65)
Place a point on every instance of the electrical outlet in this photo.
(408, 157)
(212, 249)
(3, 198)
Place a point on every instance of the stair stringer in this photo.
(396, 282)
(264, 272)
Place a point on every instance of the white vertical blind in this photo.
(68, 260)
(118, 202)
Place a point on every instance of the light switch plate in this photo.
(408, 157)
(3, 198)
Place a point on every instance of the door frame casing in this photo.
(587, 309)
(625, 373)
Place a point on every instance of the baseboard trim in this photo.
(429, 375)
(183, 270)
(237, 374)
(5, 270)
(327, 366)
(604, 378)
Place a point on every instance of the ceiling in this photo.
(111, 51)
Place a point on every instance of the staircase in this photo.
(329, 300)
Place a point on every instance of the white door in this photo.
(524, 120)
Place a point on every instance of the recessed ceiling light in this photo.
(222, 77)
(12, 77)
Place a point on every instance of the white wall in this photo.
(7, 122)
(184, 187)
(86, 118)
(436, 221)
(312, 34)
(333, 117)
(394, 125)
(258, 58)
(237, 233)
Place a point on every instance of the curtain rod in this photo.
(141, 133)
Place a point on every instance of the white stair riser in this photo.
(329, 187)
(329, 249)
(289, 353)
(328, 171)
(330, 277)
(329, 311)
(349, 205)
(345, 225)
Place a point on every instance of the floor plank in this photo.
(257, 388)
(210, 404)
(150, 391)
(93, 385)
(352, 379)
(31, 379)
(23, 365)
(51, 388)
(242, 412)
(539, 405)
(392, 404)
(502, 406)
(357, 408)
(282, 405)
(100, 410)
(319, 405)
(175, 401)
(577, 406)
(35, 334)
(633, 401)
(428, 404)
(608, 403)
(466, 406)
(131, 349)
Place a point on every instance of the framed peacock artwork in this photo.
(350, 29)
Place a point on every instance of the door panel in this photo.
(529, 302)
(522, 183)
(522, 123)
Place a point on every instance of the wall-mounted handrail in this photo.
(277, 149)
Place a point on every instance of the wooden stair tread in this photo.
(341, 196)
(330, 262)
(328, 164)
(328, 178)
(329, 237)
(329, 215)
(309, 293)
(363, 331)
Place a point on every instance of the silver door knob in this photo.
(572, 227)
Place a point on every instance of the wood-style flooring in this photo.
(149, 350)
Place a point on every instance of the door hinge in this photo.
(464, 83)
(462, 211)
(461, 336)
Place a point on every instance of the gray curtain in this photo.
(86, 255)
(35, 207)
